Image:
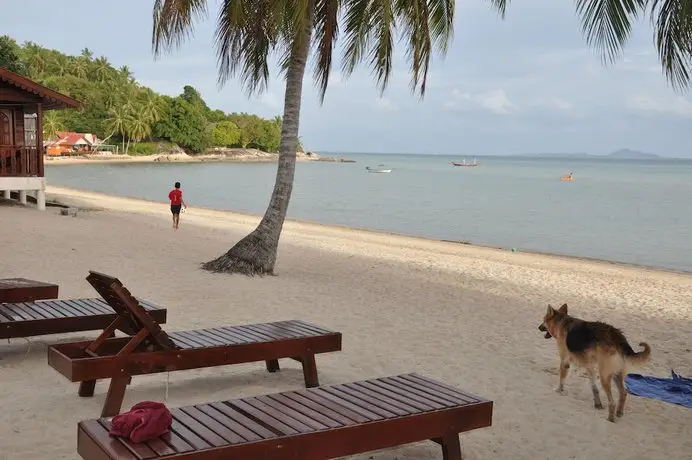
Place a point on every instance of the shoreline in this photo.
(251, 157)
(160, 207)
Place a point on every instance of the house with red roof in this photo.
(69, 143)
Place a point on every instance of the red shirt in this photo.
(176, 197)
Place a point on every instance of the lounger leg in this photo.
(86, 388)
(451, 447)
(310, 371)
(273, 365)
(115, 396)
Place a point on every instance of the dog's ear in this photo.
(551, 310)
(563, 309)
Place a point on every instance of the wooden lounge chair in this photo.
(314, 424)
(150, 350)
(24, 290)
(27, 319)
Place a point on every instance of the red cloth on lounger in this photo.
(146, 420)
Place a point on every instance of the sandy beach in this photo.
(463, 314)
(223, 155)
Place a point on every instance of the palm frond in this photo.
(672, 20)
(382, 25)
(326, 33)
(414, 16)
(442, 22)
(357, 31)
(500, 6)
(174, 22)
(607, 24)
(246, 34)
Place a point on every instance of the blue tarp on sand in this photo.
(676, 390)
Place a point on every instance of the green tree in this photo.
(116, 123)
(225, 134)
(102, 69)
(34, 59)
(154, 108)
(138, 126)
(9, 56)
(52, 123)
(185, 126)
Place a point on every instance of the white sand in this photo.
(462, 314)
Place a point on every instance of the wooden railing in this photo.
(19, 161)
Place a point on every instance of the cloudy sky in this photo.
(525, 84)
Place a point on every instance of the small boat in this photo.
(379, 169)
(567, 178)
(464, 163)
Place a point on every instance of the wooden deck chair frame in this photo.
(119, 358)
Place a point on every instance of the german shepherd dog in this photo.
(591, 344)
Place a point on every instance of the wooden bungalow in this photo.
(22, 103)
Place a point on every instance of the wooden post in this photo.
(39, 138)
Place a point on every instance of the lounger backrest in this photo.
(128, 308)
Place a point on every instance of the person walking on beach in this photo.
(176, 197)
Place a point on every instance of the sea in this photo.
(629, 211)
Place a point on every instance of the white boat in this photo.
(380, 169)
(464, 163)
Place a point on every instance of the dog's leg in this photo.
(594, 388)
(620, 382)
(606, 382)
(564, 370)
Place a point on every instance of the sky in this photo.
(525, 84)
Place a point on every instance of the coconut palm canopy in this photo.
(250, 32)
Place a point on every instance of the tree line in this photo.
(119, 110)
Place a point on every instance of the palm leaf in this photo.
(357, 31)
(174, 22)
(246, 35)
(607, 24)
(672, 20)
(326, 34)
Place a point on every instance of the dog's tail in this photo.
(640, 358)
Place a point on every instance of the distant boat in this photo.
(380, 169)
(567, 178)
(464, 163)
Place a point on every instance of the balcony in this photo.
(19, 161)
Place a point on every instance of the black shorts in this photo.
(175, 208)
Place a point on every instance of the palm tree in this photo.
(34, 57)
(153, 107)
(102, 69)
(79, 67)
(249, 31)
(52, 124)
(126, 74)
(86, 54)
(137, 126)
(117, 123)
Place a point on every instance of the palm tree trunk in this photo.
(256, 253)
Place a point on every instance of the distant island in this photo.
(621, 154)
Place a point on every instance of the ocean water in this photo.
(636, 212)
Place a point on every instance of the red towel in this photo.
(146, 420)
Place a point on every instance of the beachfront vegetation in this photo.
(118, 109)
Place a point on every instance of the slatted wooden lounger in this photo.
(27, 319)
(24, 290)
(314, 424)
(151, 350)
